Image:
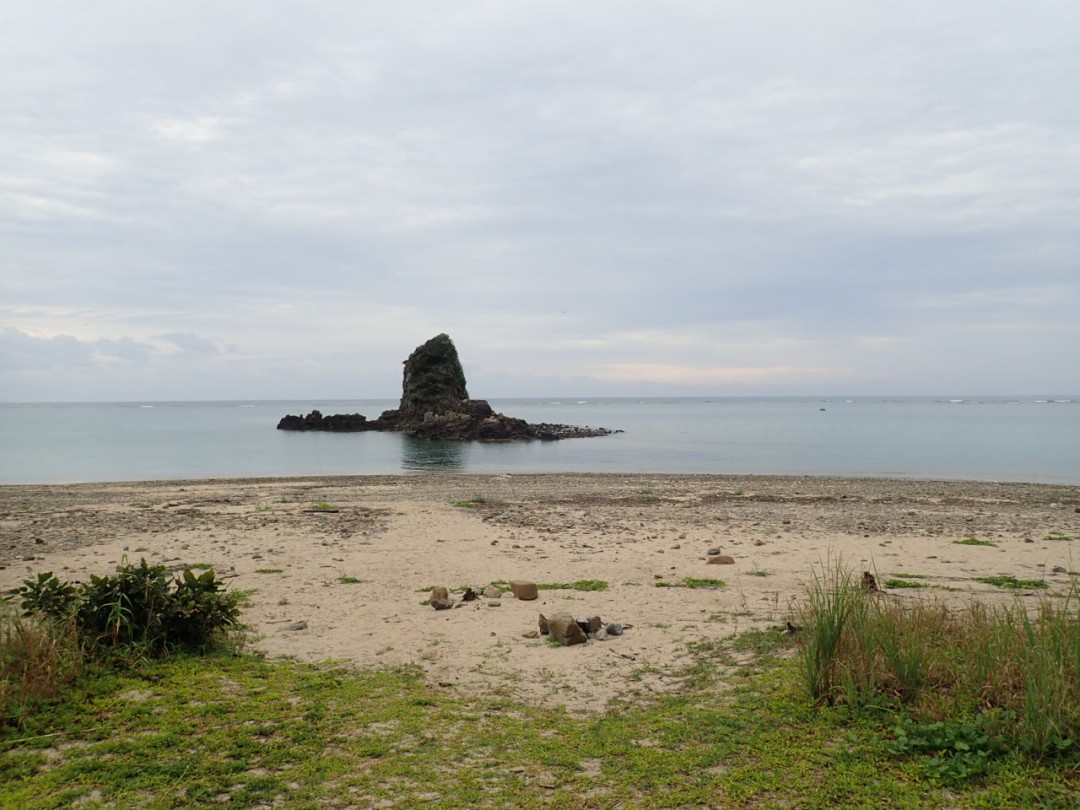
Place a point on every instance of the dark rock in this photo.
(335, 423)
(614, 629)
(442, 604)
(435, 405)
(869, 583)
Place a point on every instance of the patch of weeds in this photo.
(905, 583)
(199, 566)
(1012, 583)
(479, 499)
(911, 576)
(324, 506)
(693, 582)
(243, 595)
(758, 572)
(950, 752)
(263, 507)
(1059, 537)
(269, 570)
(975, 541)
(348, 580)
(579, 585)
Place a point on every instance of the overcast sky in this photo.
(274, 200)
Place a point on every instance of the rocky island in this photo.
(435, 404)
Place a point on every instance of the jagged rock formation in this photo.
(435, 404)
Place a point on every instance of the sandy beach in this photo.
(351, 561)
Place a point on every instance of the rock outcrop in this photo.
(435, 404)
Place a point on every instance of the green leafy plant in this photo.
(951, 752)
(140, 606)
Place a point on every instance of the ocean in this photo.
(1035, 439)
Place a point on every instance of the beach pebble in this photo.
(491, 592)
(442, 604)
(713, 551)
(531, 634)
(614, 629)
(300, 625)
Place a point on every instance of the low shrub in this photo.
(140, 606)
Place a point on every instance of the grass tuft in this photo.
(974, 541)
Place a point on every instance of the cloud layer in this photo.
(280, 200)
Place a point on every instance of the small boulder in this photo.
(564, 628)
(614, 629)
(439, 592)
(442, 604)
(721, 559)
(524, 590)
(491, 592)
(544, 629)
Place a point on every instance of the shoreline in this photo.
(357, 571)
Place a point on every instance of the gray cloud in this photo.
(699, 197)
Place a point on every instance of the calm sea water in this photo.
(993, 439)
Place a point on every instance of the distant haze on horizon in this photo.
(280, 201)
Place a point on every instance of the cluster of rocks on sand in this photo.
(563, 628)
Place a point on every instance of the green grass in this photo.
(905, 583)
(349, 580)
(249, 733)
(269, 570)
(324, 506)
(1059, 537)
(1012, 583)
(479, 499)
(693, 582)
(579, 585)
(975, 541)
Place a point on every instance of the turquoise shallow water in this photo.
(989, 438)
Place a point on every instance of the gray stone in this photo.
(442, 604)
(614, 629)
(491, 592)
(300, 625)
